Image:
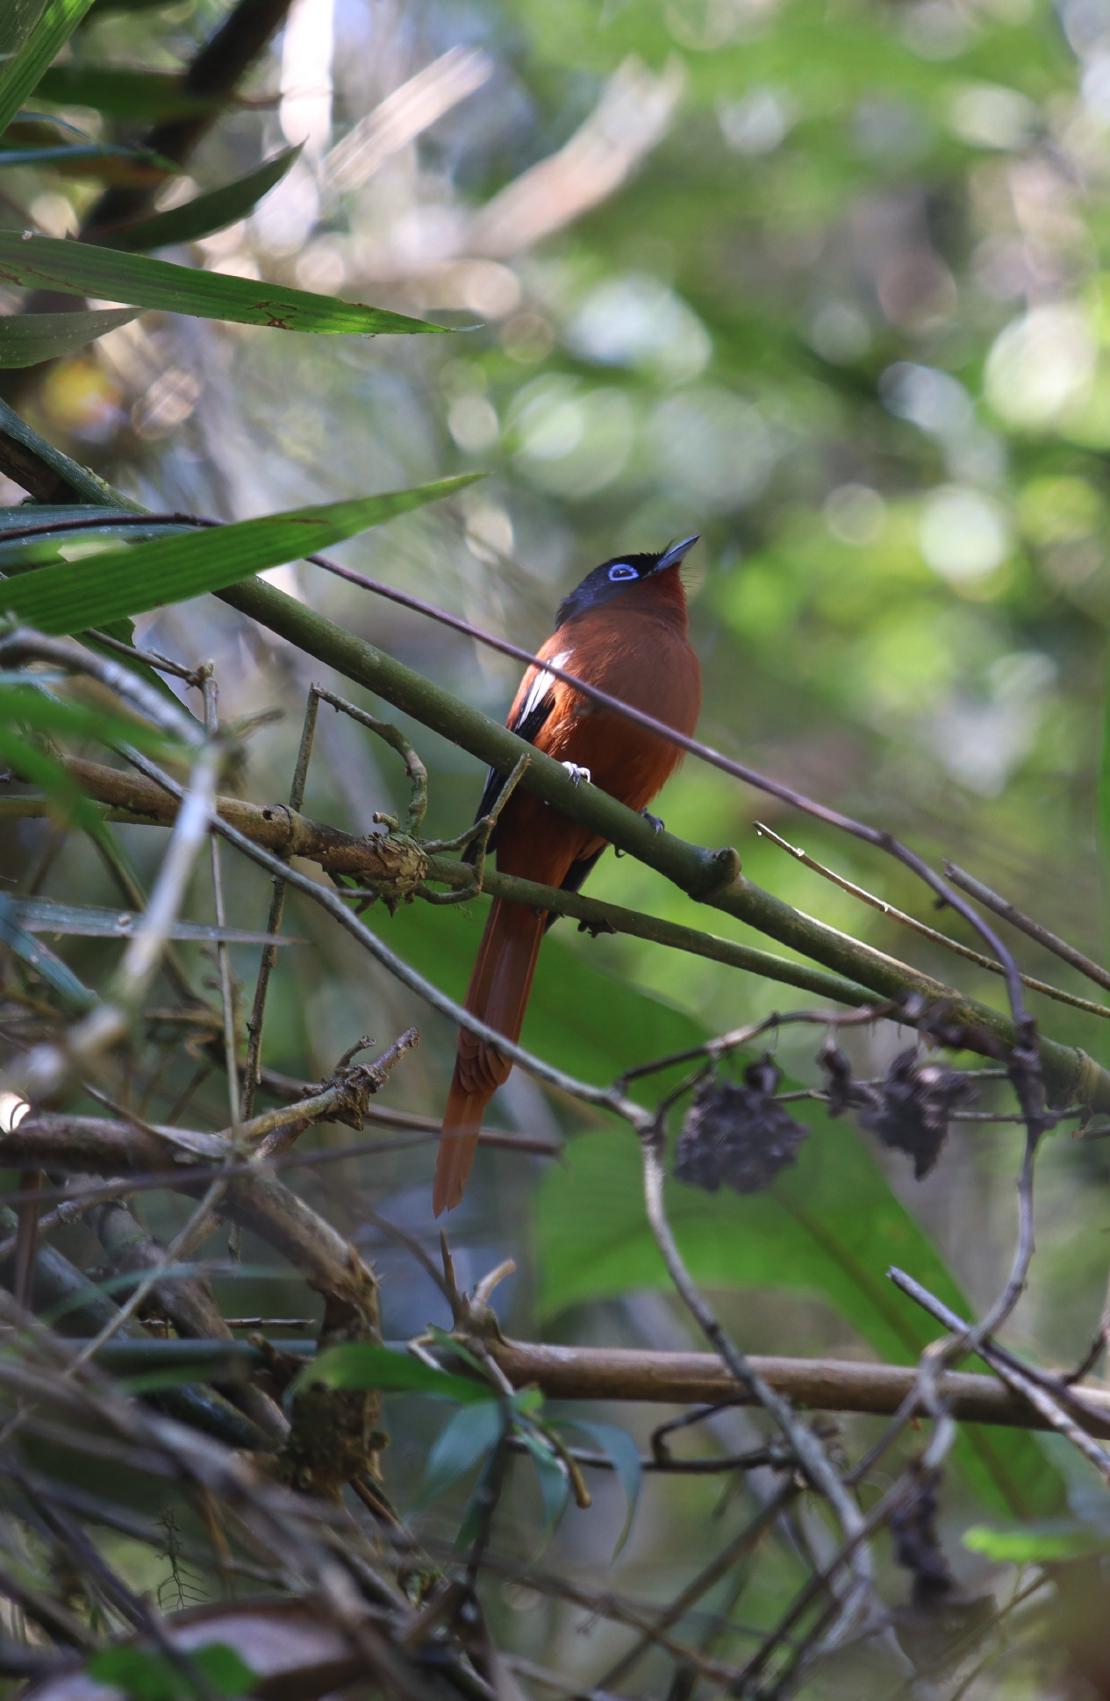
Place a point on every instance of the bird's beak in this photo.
(671, 557)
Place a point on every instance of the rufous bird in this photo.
(624, 631)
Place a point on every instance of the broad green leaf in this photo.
(471, 1434)
(147, 1674)
(71, 596)
(204, 213)
(90, 921)
(72, 992)
(30, 38)
(119, 91)
(829, 1228)
(358, 1364)
(619, 1447)
(78, 268)
(1038, 1543)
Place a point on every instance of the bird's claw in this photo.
(577, 774)
(655, 822)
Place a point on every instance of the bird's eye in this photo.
(621, 570)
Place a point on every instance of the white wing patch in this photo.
(541, 685)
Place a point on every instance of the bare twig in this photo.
(1061, 1406)
(932, 933)
(1017, 918)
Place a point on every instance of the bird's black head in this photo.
(614, 577)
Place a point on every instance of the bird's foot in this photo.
(577, 774)
(653, 821)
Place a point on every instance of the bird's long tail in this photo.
(498, 993)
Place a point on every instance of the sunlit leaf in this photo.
(79, 268)
(1037, 1543)
(31, 36)
(71, 596)
(205, 213)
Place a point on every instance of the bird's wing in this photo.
(531, 708)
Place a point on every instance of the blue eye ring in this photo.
(622, 570)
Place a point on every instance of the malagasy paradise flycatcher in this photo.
(624, 631)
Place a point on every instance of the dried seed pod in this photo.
(738, 1135)
(913, 1106)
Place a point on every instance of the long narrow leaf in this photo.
(73, 595)
(123, 92)
(204, 213)
(80, 479)
(360, 1364)
(27, 338)
(78, 268)
(18, 554)
(90, 921)
(30, 38)
(72, 993)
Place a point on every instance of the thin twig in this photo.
(1017, 918)
(992, 966)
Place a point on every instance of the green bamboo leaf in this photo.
(73, 595)
(358, 1364)
(204, 213)
(27, 338)
(31, 36)
(122, 92)
(78, 268)
(20, 553)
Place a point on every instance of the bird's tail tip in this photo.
(457, 1146)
